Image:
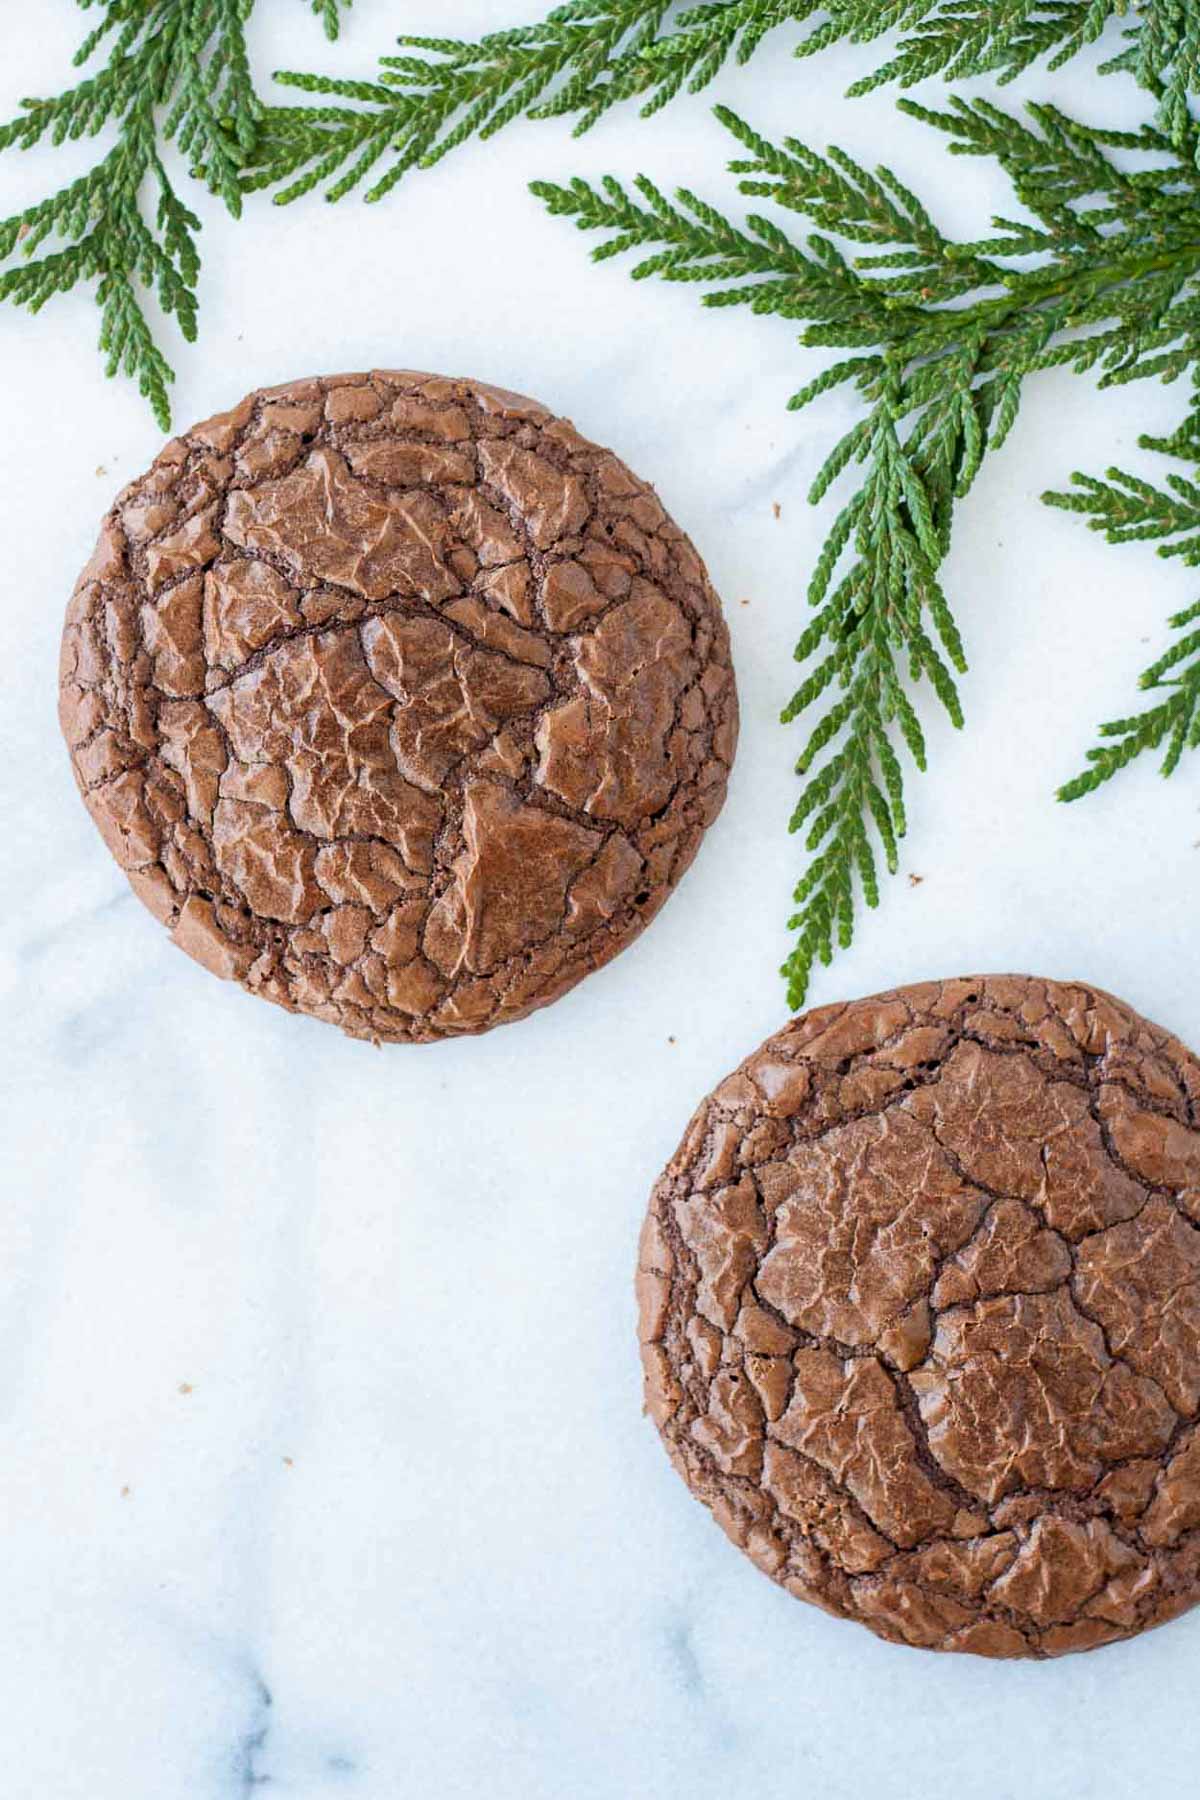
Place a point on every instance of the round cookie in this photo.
(920, 1315)
(398, 702)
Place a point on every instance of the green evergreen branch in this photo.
(177, 72)
(959, 38)
(329, 12)
(1127, 509)
(585, 57)
(1102, 276)
(956, 39)
(581, 59)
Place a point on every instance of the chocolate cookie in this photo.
(399, 702)
(920, 1315)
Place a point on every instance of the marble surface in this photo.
(323, 1469)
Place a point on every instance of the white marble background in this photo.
(321, 1463)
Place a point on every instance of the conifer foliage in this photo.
(162, 71)
(1100, 273)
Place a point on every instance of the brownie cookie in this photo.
(398, 702)
(920, 1315)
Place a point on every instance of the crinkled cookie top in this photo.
(920, 1315)
(399, 702)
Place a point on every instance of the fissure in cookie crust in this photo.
(399, 702)
(920, 1315)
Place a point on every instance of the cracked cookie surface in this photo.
(919, 1302)
(398, 702)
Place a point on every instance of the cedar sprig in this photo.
(177, 70)
(176, 73)
(329, 12)
(938, 339)
(1128, 509)
(957, 39)
(583, 58)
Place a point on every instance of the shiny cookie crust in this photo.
(399, 702)
(920, 1315)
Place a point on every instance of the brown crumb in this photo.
(670, 1040)
(743, 603)
(100, 469)
(124, 1493)
(915, 880)
(185, 1387)
(777, 509)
